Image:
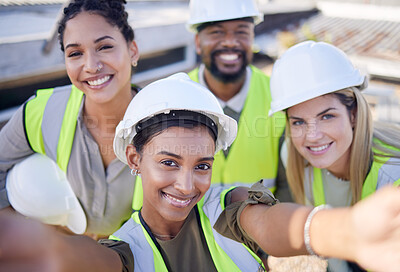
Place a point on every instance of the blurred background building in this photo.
(367, 30)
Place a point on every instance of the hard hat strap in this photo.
(207, 24)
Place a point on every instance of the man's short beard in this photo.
(223, 77)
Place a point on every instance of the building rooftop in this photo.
(372, 40)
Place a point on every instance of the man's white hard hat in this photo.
(176, 92)
(308, 70)
(205, 11)
(39, 189)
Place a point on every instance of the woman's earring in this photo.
(134, 63)
(134, 172)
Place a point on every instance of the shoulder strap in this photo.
(50, 122)
(33, 116)
(227, 254)
(137, 201)
(194, 74)
(68, 128)
(318, 187)
(146, 255)
(382, 172)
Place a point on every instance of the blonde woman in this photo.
(335, 154)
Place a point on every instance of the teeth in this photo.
(320, 148)
(229, 57)
(99, 81)
(178, 200)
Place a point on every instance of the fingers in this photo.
(385, 258)
(388, 194)
(384, 203)
(376, 222)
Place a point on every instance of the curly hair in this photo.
(112, 10)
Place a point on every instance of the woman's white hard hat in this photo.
(176, 92)
(205, 11)
(308, 70)
(39, 189)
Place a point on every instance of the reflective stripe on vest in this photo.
(146, 255)
(137, 201)
(235, 255)
(50, 122)
(376, 178)
(227, 254)
(256, 132)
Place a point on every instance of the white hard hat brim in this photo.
(193, 25)
(176, 92)
(293, 100)
(38, 188)
(308, 70)
(227, 129)
(207, 11)
(77, 222)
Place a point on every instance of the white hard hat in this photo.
(204, 11)
(308, 70)
(39, 189)
(176, 92)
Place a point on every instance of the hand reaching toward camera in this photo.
(376, 221)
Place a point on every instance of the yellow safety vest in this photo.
(34, 112)
(227, 255)
(370, 183)
(53, 135)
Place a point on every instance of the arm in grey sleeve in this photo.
(124, 251)
(13, 148)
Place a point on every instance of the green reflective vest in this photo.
(380, 174)
(254, 154)
(227, 255)
(52, 134)
(48, 133)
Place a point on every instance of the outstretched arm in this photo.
(27, 245)
(367, 233)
